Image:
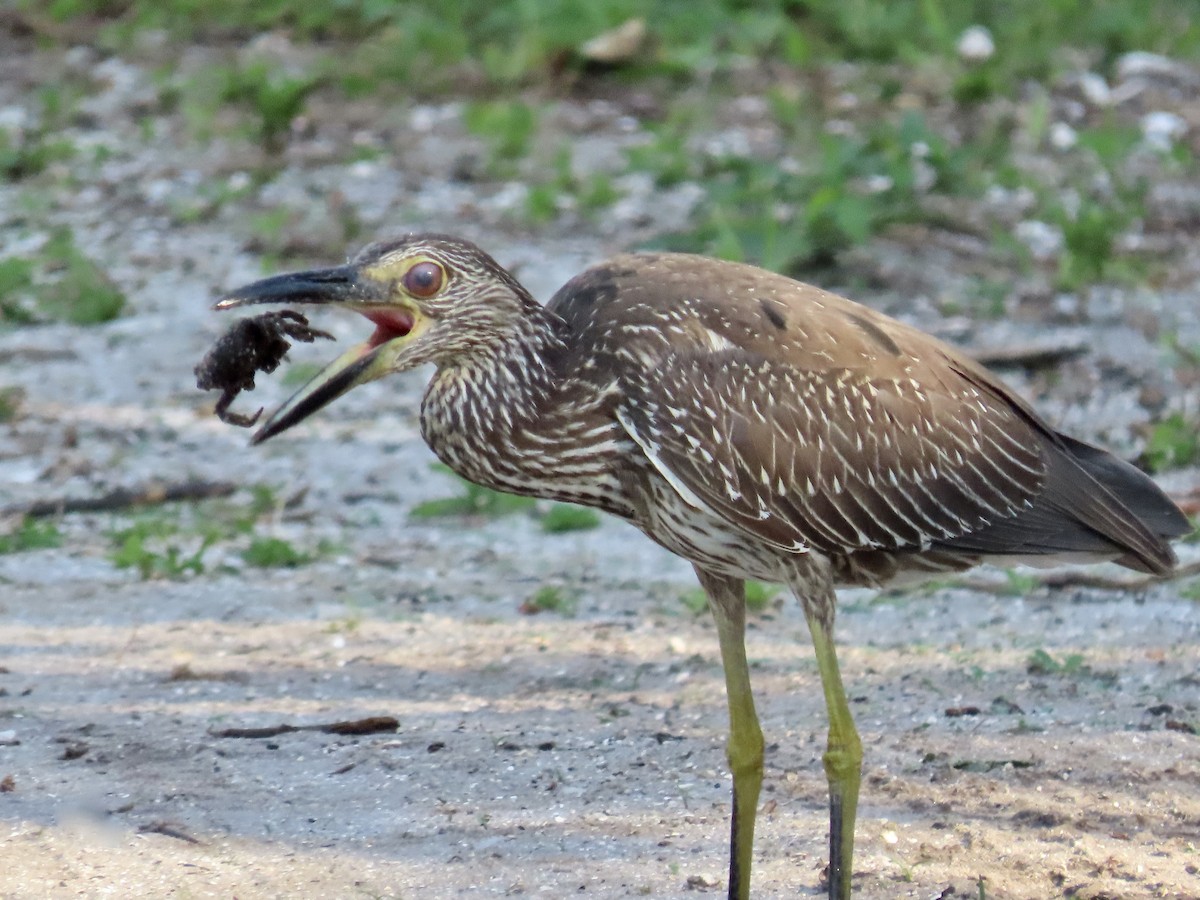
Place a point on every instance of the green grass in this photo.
(31, 534)
(298, 374)
(589, 193)
(694, 600)
(62, 284)
(155, 547)
(1072, 666)
(551, 599)
(792, 214)
(11, 400)
(563, 517)
(665, 154)
(1020, 583)
(508, 127)
(274, 553)
(431, 48)
(274, 97)
(172, 541)
(477, 501)
(1042, 663)
(209, 198)
(759, 597)
(16, 286)
(1194, 536)
(79, 292)
(222, 517)
(800, 201)
(473, 501)
(26, 154)
(1173, 442)
(1090, 235)
(28, 151)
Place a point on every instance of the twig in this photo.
(1073, 578)
(369, 725)
(265, 732)
(121, 498)
(1029, 356)
(168, 830)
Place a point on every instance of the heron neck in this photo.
(508, 419)
(490, 394)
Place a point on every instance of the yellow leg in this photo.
(727, 600)
(843, 752)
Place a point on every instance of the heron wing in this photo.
(811, 421)
(833, 460)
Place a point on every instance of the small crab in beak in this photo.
(385, 292)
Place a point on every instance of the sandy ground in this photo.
(556, 754)
(563, 756)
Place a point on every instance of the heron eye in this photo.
(424, 279)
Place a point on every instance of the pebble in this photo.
(1066, 305)
(1160, 129)
(14, 118)
(976, 44)
(1043, 240)
(1063, 136)
(1140, 64)
(1095, 89)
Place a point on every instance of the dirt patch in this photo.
(546, 755)
(554, 756)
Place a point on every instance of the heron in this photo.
(758, 427)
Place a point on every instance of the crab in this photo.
(256, 344)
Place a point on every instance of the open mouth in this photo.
(389, 324)
(395, 325)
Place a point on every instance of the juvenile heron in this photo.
(758, 427)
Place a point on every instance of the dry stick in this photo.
(1075, 578)
(1029, 356)
(369, 725)
(168, 830)
(122, 498)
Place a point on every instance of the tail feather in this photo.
(1092, 503)
(1135, 490)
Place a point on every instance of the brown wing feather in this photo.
(809, 420)
(833, 460)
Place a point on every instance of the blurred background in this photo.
(1019, 178)
(962, 163)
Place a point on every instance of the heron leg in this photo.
(727, 600)
(843, 752)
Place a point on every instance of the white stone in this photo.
(976, 44)
(1063, 136)
(13, 118)
(1043, 240)
(1161, 129)
(1140, 64)
(924, 176)
(878, 183)
(1095, 89)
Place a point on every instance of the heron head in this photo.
(432, 299)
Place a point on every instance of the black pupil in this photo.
(423, 278)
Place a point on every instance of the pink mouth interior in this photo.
(389, 324)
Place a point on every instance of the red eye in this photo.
(424, 279)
